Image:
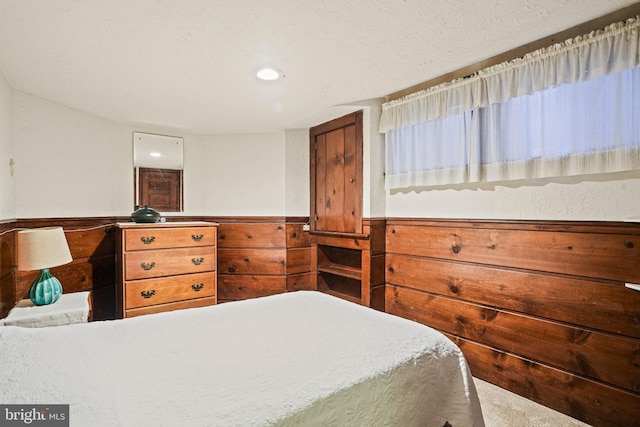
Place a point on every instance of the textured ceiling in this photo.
(190, 64)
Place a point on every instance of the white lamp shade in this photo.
(40, 248)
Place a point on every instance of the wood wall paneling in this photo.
(258, 256)
(7, 265)
(262, 256)
(590, 401)
(539, 308)
(92, 245)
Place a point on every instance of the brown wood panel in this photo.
(252, 261)
(91, 242)
(261, 256)
(298, 260)
(299, 282)
(336, 175)
(93, 250)
(318, 182)
(599, 305)
(240, 287)
(377, 274)
(356, 242)
(252, 235)
(297, 237)
(604, 357)
(92, 245)
(335, 178)
(82, 274)
(590, 401)
(350, 207)
(609, 256)
(549, 294)
(378, 297)
(7, 295)
(7, 264)
(376, 229)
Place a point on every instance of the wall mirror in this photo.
(158, 166)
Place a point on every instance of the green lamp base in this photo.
(46, 289)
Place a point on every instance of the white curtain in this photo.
(570, 109)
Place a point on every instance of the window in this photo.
(570, 109)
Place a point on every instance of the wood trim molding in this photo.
(575, 31)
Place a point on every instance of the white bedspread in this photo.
(296, 359)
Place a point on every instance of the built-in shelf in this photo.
(342, 270)
(343, 295)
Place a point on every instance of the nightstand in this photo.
(70, 308)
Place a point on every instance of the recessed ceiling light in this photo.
(269, 74)
(155, 154)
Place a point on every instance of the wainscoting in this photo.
(538, 308)
(7, 267)
(92, 245)
(261, 256)
(257, 256)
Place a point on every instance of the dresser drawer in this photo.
(163, 238)
(143, 293)
(168, 262)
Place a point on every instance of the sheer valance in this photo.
(599, 53)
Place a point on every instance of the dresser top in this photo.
(166, 224)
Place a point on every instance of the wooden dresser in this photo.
(165, 266)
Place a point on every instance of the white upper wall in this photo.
(598, 198)
(72, 164)
(7, 204)
(374, 203)
(69, 163)
(244, 175)
(297, 179)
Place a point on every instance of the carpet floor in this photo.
(501, 408)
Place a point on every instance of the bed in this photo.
(297, 359)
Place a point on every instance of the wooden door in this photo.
(336, 175)
(161, 189)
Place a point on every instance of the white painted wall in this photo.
(374, 202)
(70, 163)
(613, 197)
(244, 175)
(7, 207)
(297, 172)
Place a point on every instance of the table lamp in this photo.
(41, 249)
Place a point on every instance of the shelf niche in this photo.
(340, 272)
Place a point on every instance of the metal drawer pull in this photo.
(148, 265)
(197, 237)
(148, 294)
(197, 261)
(148, 240)
(198, 287)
